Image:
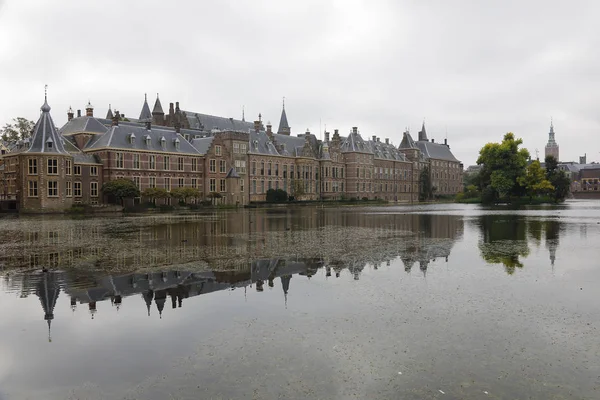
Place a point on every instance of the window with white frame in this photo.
(77, 170)
(168, 184)
(33, 189)
(180, 163)
(120, 160)
(33, 168)
(166, 163)
(152, 181)
(52, 188)
(52, 166)
(212, 184)
(222, 166)
(212, 165)
(152, 161)
(218, 150)
(93, 189)
(222, 188)
(136, 161)
(93, 170)
(69, 189)
(194, 164)
(68, 168)
(77, 189)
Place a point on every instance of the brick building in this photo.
(232, 161)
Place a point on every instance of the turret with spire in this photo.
(109, 113)
(284, 127)
(145, 114)
(158, 115)
(423, 133)
(552, 146)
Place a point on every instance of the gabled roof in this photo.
(45, 138)
(145, 115)
(207, 123)
(83, 125)
(232, 173)
(202, 144)
(355, 143)
(407, 142)
(119, 137)
(436, 150)
(386, 151)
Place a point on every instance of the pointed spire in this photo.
(109, 114)
(47, 291)
(284, 127)
(423, 133)
(157, 107)
(145, 115)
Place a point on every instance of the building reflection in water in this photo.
(506, 239)
(429, 237)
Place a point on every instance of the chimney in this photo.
(374, 138)
(115, 120)
(176, 106)
(149, 125)
(70, 114)
(387, 140)
(78, 113)
(269, 129)
(446, 141)
(432, 141)
(378, 140)
(171, 109)
(354, 129)
(256, 126)
(327, 136)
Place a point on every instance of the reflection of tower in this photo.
(423, 267)
(285, 284)
(92, 308)
(148, 296)
(552, 233)
(160, 297)
(47, 291)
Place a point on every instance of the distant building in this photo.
(552, 146)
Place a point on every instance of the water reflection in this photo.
(506, 239)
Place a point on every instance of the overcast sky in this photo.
(474, 69)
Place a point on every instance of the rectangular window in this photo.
(33, 189)
(269, 166)
(138, 181)
(212, 165)
(168, 184)
(77, 170)
(33, 167)
(241, 185)
(68, 169)
(285, 170)
(77, 189)
(152, 161)
(243, 148)
(69, 188)
(180, 163)
(93, 189)
(166, 163)
(218, 150)
(222, 166)
(222, 188)
(120, 158)
(236, 147)
(52, 189)
(152, 181)
(136, 161)
(181, 182)
(194, 164)
(253, 167)
(276, 169)
(213, 185)
(195, 183)
(52, 167)
(93, 171)
(253, 189)
(262, 168)
(262, 186)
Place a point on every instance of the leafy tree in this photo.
(559, 180)
(503, 165)
(297, 188)
(276, 196)
(214, 195)
(535, 181)
(184, 193)
(21, 128)
(155, 193)
(425, 187)
(120, 189)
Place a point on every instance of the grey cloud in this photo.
(472, 69)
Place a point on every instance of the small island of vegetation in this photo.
(508, 175)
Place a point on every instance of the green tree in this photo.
(184, 193)
(425, 187)
(214, 195)
(297, 188)
(559, 180)
(120, 189)
(155, 193)
(21, 128)
(534, 181)
(276, 196)
(503, 165)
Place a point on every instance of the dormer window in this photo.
(176, 141)
(132, 138)
(163, 142)
(49, 143)
(148, 140)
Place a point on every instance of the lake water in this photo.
(413, 302)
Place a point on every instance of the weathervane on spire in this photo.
(46, 92)
(283, 101)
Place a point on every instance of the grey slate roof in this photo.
(46, 135)
(436, 150)
(386, 151)
(355, 143)
(205, 122)
(119, 137)
(407, 142)
(83, 158)
(83, 124)
(202, 144)
(283, 123)
(423, 133)
(145, 115)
